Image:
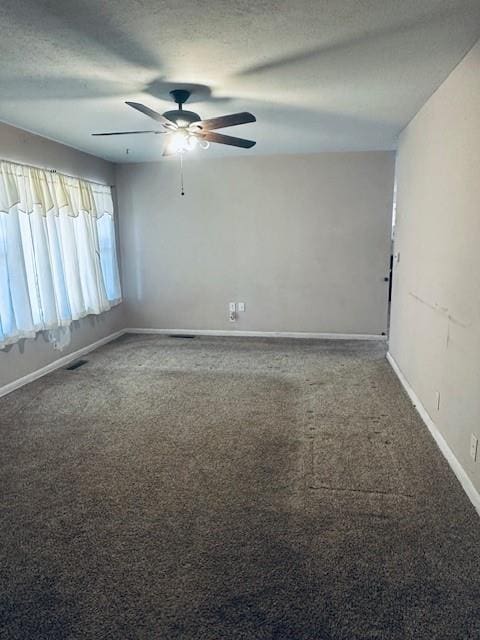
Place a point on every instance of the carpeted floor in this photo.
(216, 489)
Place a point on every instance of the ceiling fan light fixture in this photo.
(179, 142)
(182, 141)
(192, 142)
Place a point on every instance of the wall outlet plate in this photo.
(473, 447)
(241, 306)
(232, 306)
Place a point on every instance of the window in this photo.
(58, 258)
(108, 256)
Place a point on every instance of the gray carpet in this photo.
(215, 489)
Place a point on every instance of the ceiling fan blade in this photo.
(226, 121)
(211, 136)
(152, 114)
(124, 133)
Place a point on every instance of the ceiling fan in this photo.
(186, 129)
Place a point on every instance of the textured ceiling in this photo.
(318, 74)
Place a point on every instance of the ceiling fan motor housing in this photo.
(180, 96)
(179, 115)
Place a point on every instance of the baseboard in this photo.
(455, 465)
(260, 334)
(61, 362)
(57, 364)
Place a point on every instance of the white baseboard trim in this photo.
(61, 362)
(455, 465)
(57, 364)
(260, 334)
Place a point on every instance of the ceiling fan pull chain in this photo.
(181, 173)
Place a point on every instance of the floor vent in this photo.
(76, 365)
(181, 335)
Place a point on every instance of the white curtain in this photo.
(58, 258)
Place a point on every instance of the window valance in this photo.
(48, 193)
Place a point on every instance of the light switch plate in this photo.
(241, 306)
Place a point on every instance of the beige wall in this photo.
(435, 325)
(302, 240)
(29, 355)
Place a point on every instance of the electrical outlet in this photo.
(232, 311)
(473, 446)
(437, 400)
(241, 306)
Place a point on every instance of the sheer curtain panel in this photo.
(58, 259)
